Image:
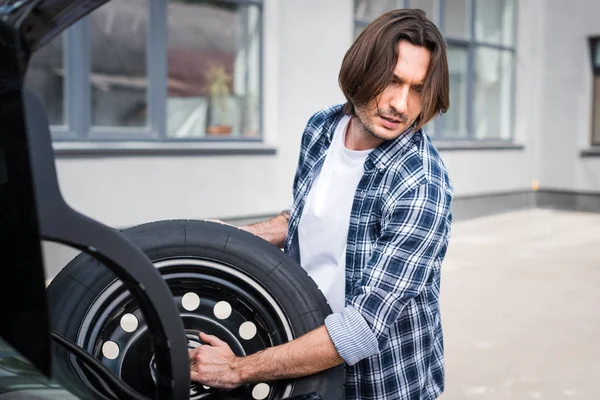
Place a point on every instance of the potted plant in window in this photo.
(218, 87)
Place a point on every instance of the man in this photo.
(370, 223)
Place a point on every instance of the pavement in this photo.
(520, 302)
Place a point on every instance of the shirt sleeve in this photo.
(414, 232)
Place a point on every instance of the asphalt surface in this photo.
(520, 304)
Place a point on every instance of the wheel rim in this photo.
(212, 297)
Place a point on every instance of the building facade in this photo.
(194, 109)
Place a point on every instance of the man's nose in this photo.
(399, 101)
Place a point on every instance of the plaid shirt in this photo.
(390, 332)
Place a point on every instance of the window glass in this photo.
(45, 77)
(494, 21)
(118, 78)
(493, 94)
(596, 116)
(429, 6)
(213, 59)
(457, 19)
(358, 29)
(368, 10)
(455, 120)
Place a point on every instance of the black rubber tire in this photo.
(76, 287)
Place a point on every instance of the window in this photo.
(480, 35)
(455, 120)
(494, 22)
(456, 19)
(493, 65)
(213, 69)
(118, 78)
(429, 6)
(368, 10)
(596, 112)
(493, 93)
(595, 57)
(45, 77)
(155, 70)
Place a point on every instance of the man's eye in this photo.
(418, 89)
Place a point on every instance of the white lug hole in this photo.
(190, 301)
(110, 350)
(129, 323)
(247, 330)
(261, 391)
(222, 310)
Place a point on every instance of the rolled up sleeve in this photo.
(414, 232)
(351, 335)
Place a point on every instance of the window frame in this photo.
(470, 44)
(79, 132)
(594, 46)
(595, 119)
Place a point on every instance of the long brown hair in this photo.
(369, 64)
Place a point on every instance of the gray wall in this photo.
(564, 94)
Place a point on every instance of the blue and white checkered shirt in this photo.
(390, 331)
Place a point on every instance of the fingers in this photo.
(211, 364)
(211, 340)
(194, 376)
(193, 354)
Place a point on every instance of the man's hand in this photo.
(273, 230)
(213, 364)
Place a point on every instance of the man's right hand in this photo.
(273, 230)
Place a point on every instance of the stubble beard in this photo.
(367, 127)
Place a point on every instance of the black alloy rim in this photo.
(212, 297)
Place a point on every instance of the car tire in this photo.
(262, 286)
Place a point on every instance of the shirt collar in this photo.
(391, 150)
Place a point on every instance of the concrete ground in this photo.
(521, 307)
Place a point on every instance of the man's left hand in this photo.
(213, 364)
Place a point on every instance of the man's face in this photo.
(389, 114)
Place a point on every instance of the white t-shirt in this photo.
(323, 227)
